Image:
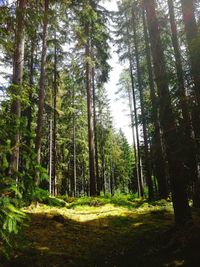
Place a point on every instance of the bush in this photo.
(42, 196)
(11, 220)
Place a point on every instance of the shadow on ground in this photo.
(135, 240)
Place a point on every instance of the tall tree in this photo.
(125, 91)
(143, 114)
(42, 84)
(18, 64)
(193, 37)
(95, 132)
(158, 152)
(187, 129)
(140, 176)
(55, 88)
(91, 143)
(178, 183)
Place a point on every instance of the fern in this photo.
(11, 220)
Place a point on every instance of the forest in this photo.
(74, 191)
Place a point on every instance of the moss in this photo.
(112, 233)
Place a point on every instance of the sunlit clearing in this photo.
(85, 213)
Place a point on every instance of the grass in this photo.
(112, 231)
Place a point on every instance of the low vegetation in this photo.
(74, 191)
(110, 231)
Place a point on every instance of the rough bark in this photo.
(143, 113)
(139, 167)
(95, 134)
(54, 158)
(130, 98)
(91, 143)
(29, 111)
(157, 147)
(50, 154)
(189, 142)
(18, 65)
(178, 184)
(42, 86)
(192, 36)
(74, 146)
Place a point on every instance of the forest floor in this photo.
(94, 232)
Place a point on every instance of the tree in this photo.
(42, 84)
(90, 114)
(18, 64)
(179, 189)
(156, 140)
(125, 92)
(144, 125)
(193, 37)
(125, 28)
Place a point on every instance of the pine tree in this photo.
(179, 190)
(18, 64)
(42, 85)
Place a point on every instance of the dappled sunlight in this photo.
(85, 213)
(80, 214)
(104, 235)
(42, 248)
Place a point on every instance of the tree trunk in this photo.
(144, 124)
(18, 65)
(41, 87)
(74, 146)
(112, 189)
(29, 112)
(141, 189)
(54, 119)
(90, 116)
(130, 97)
(178, 184)
(103, 186)
(192, 36)
(157, 146)
(139, 167)
(95, 134)
(50, 154)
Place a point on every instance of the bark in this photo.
(54, 120)
(41, 87)
(130, 97)
(74, 145)
(50, 154)
(112, 185)
(29, 112)
(18, 65)
(103, 185)
(144, 124)
(139, 167)
(95, 135)
(91, 143)
(157, 146)
(178, 184)
(192, 36)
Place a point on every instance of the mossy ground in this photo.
(106, 232)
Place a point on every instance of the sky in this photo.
(118, 108)
(120, 117)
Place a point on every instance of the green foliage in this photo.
(118, 199)
(42, 196)
(11, 218)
